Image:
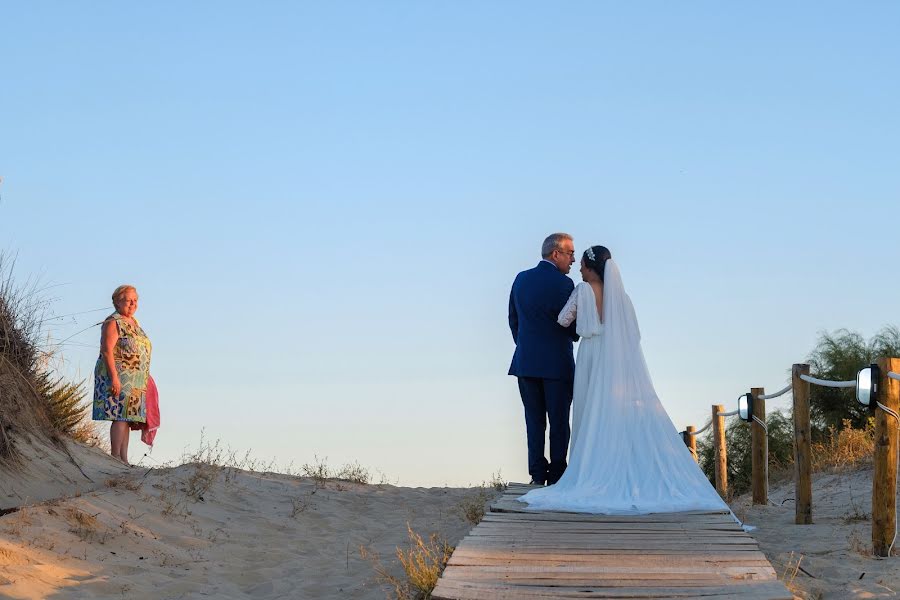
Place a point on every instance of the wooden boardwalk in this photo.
(514, 553)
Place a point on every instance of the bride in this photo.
(626, 456)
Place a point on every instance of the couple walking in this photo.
(626, 456)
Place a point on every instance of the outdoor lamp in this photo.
(745, 407)
(867, 386)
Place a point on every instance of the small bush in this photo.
(422, 562)
(354, 473)
(472, 508)
(318, 471)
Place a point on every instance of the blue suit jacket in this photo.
(543, 346)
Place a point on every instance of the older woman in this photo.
(122, 372)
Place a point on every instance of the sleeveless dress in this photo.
(132, 359)
(626, 457)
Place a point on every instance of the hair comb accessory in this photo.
(590, 254)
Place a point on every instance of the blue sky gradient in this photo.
(323, 205)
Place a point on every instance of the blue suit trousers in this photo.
(546, 399)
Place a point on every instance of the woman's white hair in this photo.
(121, 290)
(552, 243)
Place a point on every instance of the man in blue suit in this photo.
(543, 360)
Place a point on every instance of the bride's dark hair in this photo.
(598, 263)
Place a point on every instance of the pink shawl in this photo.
(151, 406)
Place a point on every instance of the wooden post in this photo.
(759, 444)
(802, 455)
(691, 440)
(884, 482)
(721, 450)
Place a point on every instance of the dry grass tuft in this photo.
(497, 482)
(322, 474)
(472, 508)
(123, 483)
(33, 401)
(791, 568)
(301, 505)
(354, 473)
(844, 449)
(85, 526)
(422, 563)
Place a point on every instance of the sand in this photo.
(835, 551)
(160, 534)
(197, 532)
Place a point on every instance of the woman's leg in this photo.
(118, 440)
(123, 449)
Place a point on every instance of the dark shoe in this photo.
(536, 482)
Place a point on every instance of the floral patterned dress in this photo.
(132, 359)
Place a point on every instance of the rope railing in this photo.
(829, 383)
(780, 392)
(699, 431)
(872, 391)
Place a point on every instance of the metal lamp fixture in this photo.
(867, 386)
(745, 407)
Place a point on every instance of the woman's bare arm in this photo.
(109, 335)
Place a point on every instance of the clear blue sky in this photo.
(323, 205)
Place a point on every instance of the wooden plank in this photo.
(543, 520)
(599, 560)
(600, 571)
(600, 578)
(447, 590)
(526, 534)
(573, 553)
(514, 506)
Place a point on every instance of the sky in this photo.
(323, 205)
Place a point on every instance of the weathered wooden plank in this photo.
(648, 539)
(509, 505)
(650, 570)
(454, 590)
(478, 573)
(602, 560)
(521, 520)
(615, 534)
(576, 554)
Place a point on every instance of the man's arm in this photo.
(513, 316)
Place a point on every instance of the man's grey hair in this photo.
(553, 242)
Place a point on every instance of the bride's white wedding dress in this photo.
(625, 457)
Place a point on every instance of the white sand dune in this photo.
(251, 535)
(836, 549)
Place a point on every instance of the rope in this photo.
(781, 392)
(699, 431)
(826, 383)
(893, 375)
(708, 425)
